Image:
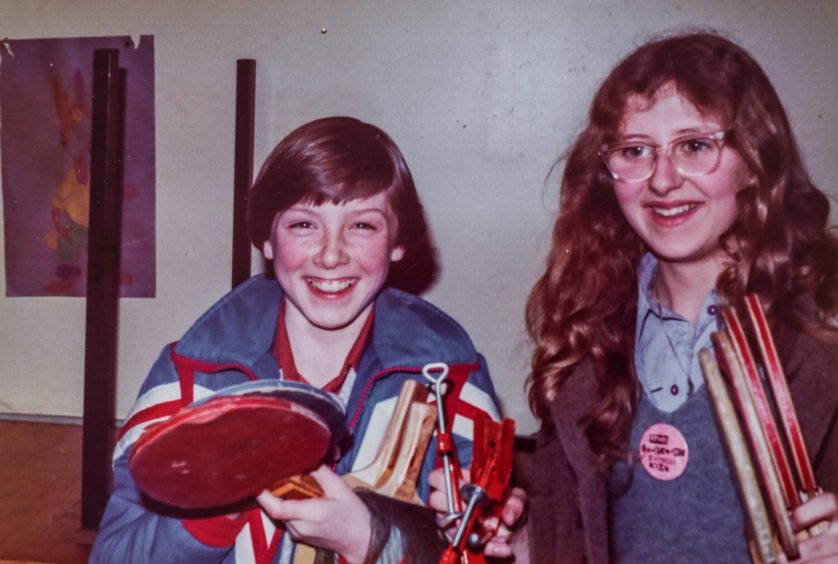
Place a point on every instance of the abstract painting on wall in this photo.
(45, 128)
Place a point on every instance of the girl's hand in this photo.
(339, 521)
(824, 546)
(503, 539)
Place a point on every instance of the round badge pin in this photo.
(663, 452)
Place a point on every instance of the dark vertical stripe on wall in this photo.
(103, 270)
(243, 172)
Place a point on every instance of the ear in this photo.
(397, 254)
(267, 250)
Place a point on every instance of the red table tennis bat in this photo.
(237, 442)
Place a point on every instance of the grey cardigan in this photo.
(568, 520)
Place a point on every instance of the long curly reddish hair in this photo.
(583, 308)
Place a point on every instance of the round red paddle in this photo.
(236, 443)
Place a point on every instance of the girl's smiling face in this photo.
(332, 259)
(679, 218)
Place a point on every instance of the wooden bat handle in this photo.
(302, 486)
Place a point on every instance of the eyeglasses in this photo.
(691, 155)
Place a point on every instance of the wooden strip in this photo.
(404, 475)
(759, 525)
(782, 395)
(730, 364)
(243, 169)
(763, 409)
(102, 284)
(379, 470)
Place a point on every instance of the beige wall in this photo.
(481, 97)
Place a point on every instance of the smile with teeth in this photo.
(672, 212)
(330, 286)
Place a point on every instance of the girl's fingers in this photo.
(498, 549)
(514, 507)
(822, 507)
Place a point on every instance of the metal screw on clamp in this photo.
(475, 496)
(429, 371)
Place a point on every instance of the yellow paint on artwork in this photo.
(74, 198)
(51, 239)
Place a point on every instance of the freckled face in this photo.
(332, 260)
(679, 218)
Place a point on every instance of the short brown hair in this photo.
(337, 159)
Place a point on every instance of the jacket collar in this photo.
(239, 330)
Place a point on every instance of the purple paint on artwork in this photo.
(45, 109)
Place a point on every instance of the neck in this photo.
(320, 353)
(683, 287)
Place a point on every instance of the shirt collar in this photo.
(668, 361)
(285, 357)
(645, 275)
(647, 304)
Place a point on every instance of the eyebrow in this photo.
(299, 209)
(311, 210)
(707, 129)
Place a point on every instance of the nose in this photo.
(665, 177)
(332, 252)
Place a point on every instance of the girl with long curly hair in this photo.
(685, 192)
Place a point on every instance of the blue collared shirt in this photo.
(667, 344)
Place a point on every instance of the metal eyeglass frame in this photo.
(718, 138)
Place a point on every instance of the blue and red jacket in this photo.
(231, 344)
